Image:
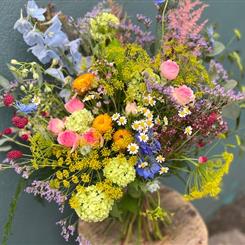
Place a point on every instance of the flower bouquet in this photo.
(109, 111)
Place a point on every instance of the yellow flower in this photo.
(122, 138)
(102, 123)
(83, 83)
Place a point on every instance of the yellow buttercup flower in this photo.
(83, 83)
(103, 123)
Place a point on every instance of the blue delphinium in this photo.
(34, 11)
(54, 37)
(26, 108)
(33, 37)
(22, 25)
(149, 171)
(158, 2)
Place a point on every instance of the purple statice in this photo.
(220, 91)
(144, 20)
(82, 241)
(67, 230)
(218, 71)
(43, 189)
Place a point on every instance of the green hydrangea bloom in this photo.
(93, 204)
(102, 26)
(119, 171)
(79, 121)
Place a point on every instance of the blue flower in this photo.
(75, 55)
(44, 54)
(33, 37)
(22, 25)
(56, 73)
(158, 2)
(26, 108)
(34, 11)
(53, 36)
(148, 172)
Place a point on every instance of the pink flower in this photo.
(169, 69)
(183, 95)
(91, 137)
(202, 159)
(131, 108)
(55, 126)
(68, 139)
(73, 105)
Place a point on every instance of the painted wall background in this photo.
(34, 222)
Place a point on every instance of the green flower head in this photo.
(79, 121)
(119, 171)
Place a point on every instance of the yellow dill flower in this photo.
(59, 175)
(85, 178)
(66, 173)
(74, 179)
(105, 152)
(103, 123)
(95, 164)
(74, 202)
(66, 183)
(111, 191)
(108, 135)
(122, 138)
(54, 183)
(83, 83)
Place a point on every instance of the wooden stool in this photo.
(187, 228)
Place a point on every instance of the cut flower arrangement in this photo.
(109, 111)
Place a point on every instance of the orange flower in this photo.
(122, 138)
(103, 123)
(83, 83)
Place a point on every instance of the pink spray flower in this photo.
(131, 108)
(202, 159)
(169, 69)
(73, 105)
(56, 126)
(183, 95)
(68, 139)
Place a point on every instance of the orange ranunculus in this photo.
(83, 83)
(122, 138)
(103, 123)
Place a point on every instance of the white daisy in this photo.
(188, 130)
(122, 121)
(160, 159)
(143, 165)
(165, 120)
(115, 116)
(143, 137)
(164, 170)
(136, 126)
(184, 112)
(36, 100)
(133, 148)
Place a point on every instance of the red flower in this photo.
(19, 122)
(14, 154)
(8, 131)
(24, 137)
(201, 144)
(8, 100)
(212, 118)
(202, 159)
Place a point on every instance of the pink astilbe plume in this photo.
(184, 20)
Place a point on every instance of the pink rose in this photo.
(92, 137)
(169, 69)
(183, 95)
(131, 108)
(55, 126)
(73, 105)
(68, 139)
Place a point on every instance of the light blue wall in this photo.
(34, 222)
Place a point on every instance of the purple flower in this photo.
(149, 171)
(34, 11)
(53, 36)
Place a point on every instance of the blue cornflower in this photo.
(26, 108)
(44, 54)
(34, 11)
(53, 36)
(148, 169)
(22, 25)
(158, 2)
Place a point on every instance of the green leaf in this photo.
(231, 111)
(129, 203)
(5, 148)
(218, 49)
(238, 34)
(230, 84)
(12, 208)
(116, 212)
(4, 82)
(238, 140)
(134, 190)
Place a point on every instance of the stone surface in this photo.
(188, 227)
(233, 237)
